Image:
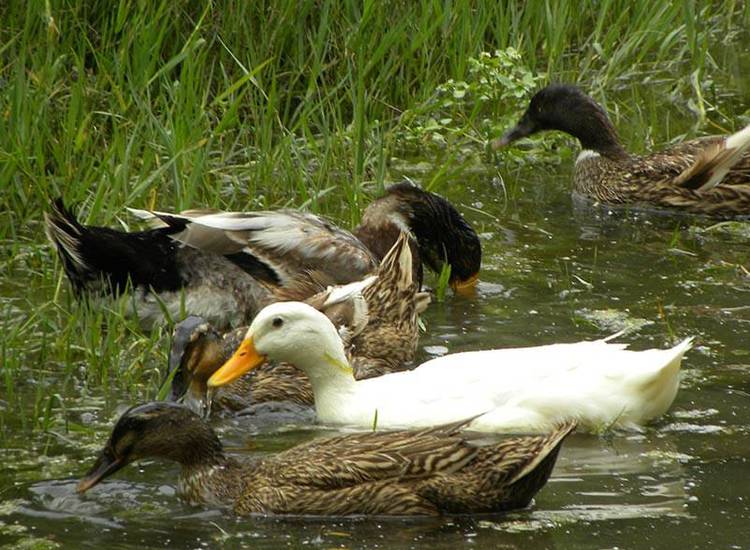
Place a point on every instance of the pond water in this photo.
(555, 269)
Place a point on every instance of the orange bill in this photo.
(467, 286)
(244, 359)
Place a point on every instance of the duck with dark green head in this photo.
(417, 472)
(226, 266)
(708, 175)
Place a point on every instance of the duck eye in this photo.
(277, 322)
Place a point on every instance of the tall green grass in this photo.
(236, 104)
(244, 104)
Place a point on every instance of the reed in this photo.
(242, 105)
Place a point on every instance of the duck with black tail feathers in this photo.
(226, 266)
(709, 175)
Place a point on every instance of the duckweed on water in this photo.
(243, 105)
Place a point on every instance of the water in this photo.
(555, 269)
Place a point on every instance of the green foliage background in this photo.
(244, 104)
(238, 104)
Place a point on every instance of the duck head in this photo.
(195, 355)
(293, 332)
(159, 429)
(566, 108)
(440, 233)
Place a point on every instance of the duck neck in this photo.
(330, 374)
(381, 225)
(199, 447)
(210, 484)
(203, 462)
(595, 131)
(609, 147)
(379, 234)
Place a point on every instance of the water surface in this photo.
(555, 270)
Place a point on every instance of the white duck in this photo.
(599, 384)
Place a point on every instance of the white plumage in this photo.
(598, 383)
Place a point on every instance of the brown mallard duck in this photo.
(198, 350)
(709, 175)
(377, 318)
(401, 473)
(225, 266)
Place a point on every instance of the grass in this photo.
(243, 105)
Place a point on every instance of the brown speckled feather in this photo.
(389, 341)
(371, 456)
(402, 473)
(656, 180)
(709, 175)
(384, 341)
(407, 472)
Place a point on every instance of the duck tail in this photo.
(685, 345)
(657, 387)
(543, 452)
(671, 367)
(94, 255)
(515, 469)
(396, 266)
(67, 235)
(394, 294)
(715, 161)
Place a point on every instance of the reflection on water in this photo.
(596, 480)
(555, 269)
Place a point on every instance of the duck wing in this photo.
(354, 459)
(389, 341)
(600, 386)
(346, 307)
(286, 241)
(377, 318)
(531, 389)
(715, 160)
(697, 165)
(503, 476)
